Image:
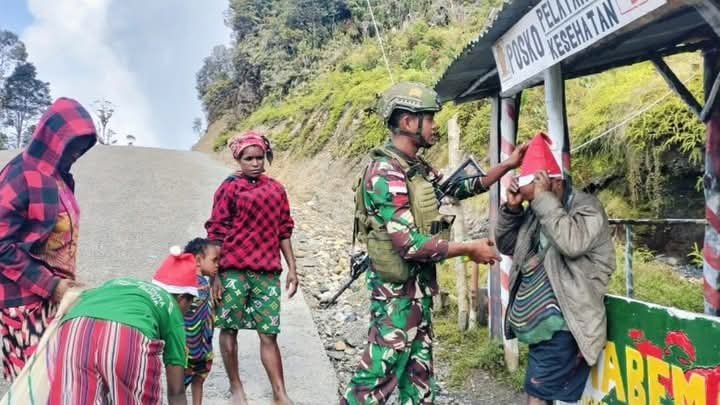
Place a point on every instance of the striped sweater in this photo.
(199, 325)
(535, 314)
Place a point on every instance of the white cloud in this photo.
(142, 55)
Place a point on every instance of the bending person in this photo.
(111, 346)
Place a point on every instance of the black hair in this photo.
(199, 246)
(395, 117)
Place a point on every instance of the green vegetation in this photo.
(471, 350)
(634, 164)
(657, 283)
(309, 115)
(309, 72)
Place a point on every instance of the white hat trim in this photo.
(529, 178)
(173, 289)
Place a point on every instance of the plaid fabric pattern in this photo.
(29, 203)
(250, 217)
(101, 362)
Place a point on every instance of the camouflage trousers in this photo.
(399, 355)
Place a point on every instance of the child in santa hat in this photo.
(111, 346)
(564, 255)
(199, 319)
(251, 219)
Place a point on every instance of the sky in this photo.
(142, 55)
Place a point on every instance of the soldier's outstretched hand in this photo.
(483, 251)
(515, 159)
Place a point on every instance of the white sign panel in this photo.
(556, 29)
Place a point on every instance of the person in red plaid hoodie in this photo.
(39, 229)
(251, 219)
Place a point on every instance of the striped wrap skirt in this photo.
(102, 362)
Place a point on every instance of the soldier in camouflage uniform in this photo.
(397, 217)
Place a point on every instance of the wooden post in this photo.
(494, 287)
(629, 279)
(458, 227)
(557, 116)
(509, 114)
(473, 318)
(711, 248)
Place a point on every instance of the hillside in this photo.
(647, 165)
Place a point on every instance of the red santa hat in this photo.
(178, 273)
(539, 157)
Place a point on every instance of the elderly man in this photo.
(563, 259)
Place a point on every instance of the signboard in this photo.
(556, 29)
(656, 355)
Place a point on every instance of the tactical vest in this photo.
(424, 206)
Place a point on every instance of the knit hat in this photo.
(178, 273)
(538, 157)
(250, 138)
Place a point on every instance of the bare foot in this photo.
(282, 401)
(238, 397)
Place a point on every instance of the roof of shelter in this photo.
(672, 28)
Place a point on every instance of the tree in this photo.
(130, 139)
(12, 53)
(244, 17)
(316, 18)
(216, 67)
(24, 98)
(197, 126)
(104, 110)
(110, 140)
(27, 136)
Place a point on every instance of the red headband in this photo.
(247, 139)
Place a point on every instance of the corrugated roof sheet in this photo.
(675, 27)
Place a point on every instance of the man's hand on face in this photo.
(542, 182)
(514, 198)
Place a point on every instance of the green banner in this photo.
(656, 355)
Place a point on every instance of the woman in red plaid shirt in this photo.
(39, 229)
(251, 219)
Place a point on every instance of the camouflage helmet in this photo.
(407, 96)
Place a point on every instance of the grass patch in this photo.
(467, 351)
(657, 283)
(471, 350)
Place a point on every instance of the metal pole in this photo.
(494, 287)
(509, 114)
(711, 248)
(557, 116)
(629, 280)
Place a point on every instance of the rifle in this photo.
(359, 264)
(467, 170)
